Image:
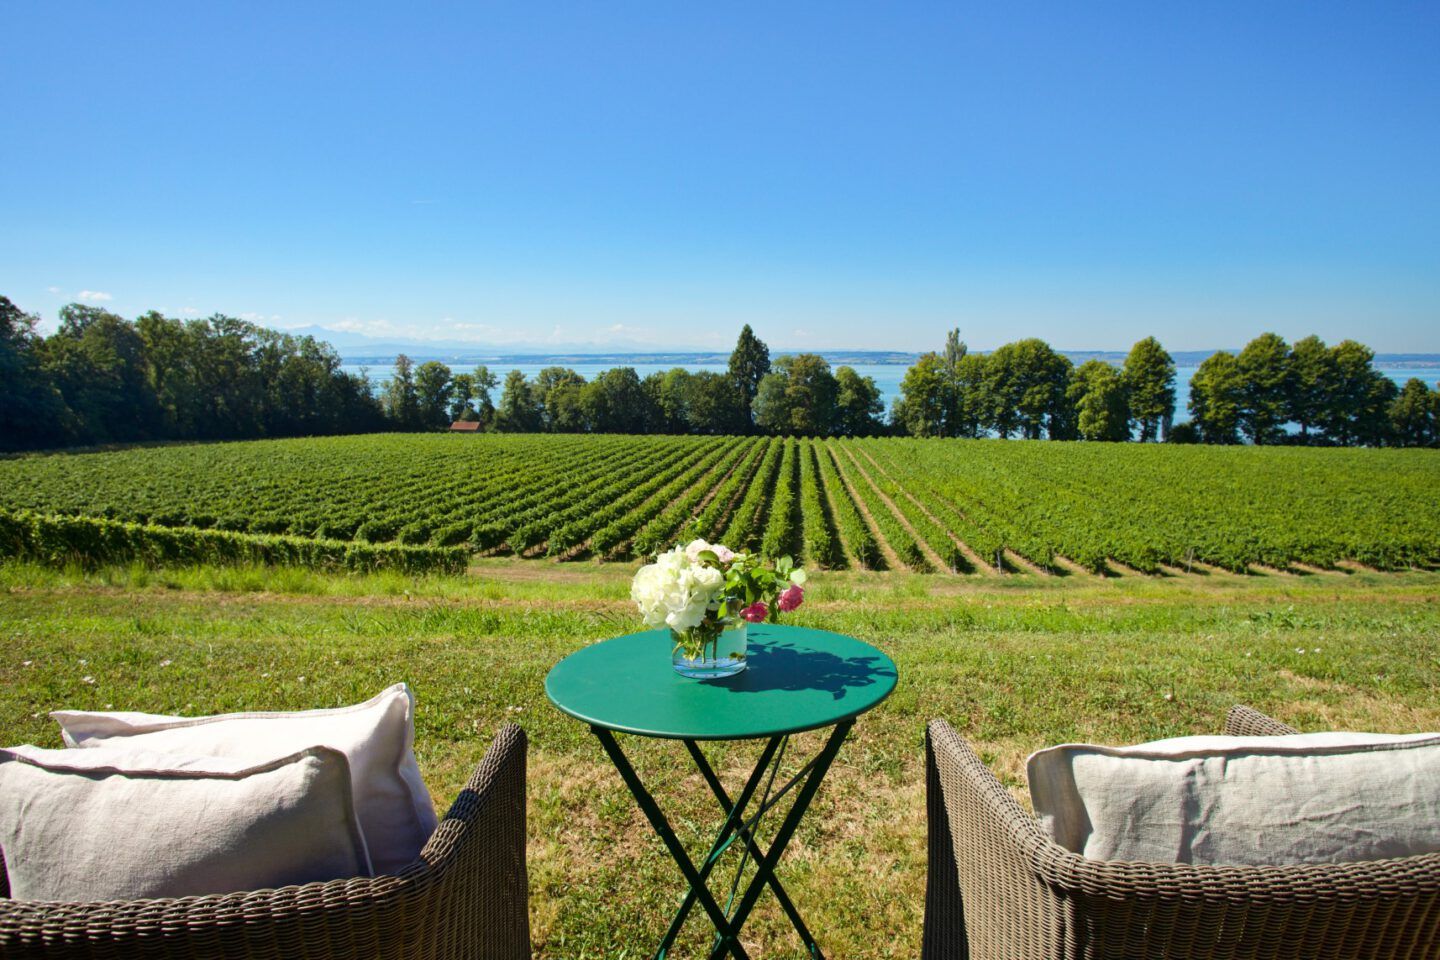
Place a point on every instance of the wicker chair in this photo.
(464, 898)
(1000, 888)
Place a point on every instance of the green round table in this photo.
(797, 679)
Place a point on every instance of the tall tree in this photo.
(669, 393)
(797, 397)
(1312, 371)
(616, 402)
(484, 382)
(714, 406)
(1216, 393)
(1357, 397)
(1265, 388)
(519, 410)
(1412, 416)
(924, 405)
(857, 404)
(432, 393)
(462, 398)
(557, 390)
(1097, 393)
(400, 398)
(32, 414)
(1025, 382)
(1149, 378)
(97, 360)
(749, 362)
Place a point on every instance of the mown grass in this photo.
(1015, 663)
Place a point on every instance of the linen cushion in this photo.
(377, 738)
(1300, 798)
(121, 823)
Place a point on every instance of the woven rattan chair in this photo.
(464, 898)
(1000, 889)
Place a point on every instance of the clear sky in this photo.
(838, 175)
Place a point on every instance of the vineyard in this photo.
(946, 506)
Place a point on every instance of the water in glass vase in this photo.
(718, 655)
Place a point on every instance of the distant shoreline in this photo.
(1182, 358)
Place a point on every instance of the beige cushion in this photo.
(120, 823)
(1302, 798)
(377, 737)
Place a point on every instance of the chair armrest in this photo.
(982, 894)
(464, 898)
(1244, 721)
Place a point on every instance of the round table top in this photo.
(797, 679)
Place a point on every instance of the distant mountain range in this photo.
(357, 348)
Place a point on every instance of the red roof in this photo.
(466, 426)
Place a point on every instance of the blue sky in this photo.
(838, 175)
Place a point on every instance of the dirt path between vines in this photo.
(974, 558)
(892, 559)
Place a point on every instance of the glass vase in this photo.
(706, 653)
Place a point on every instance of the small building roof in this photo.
(465, 426)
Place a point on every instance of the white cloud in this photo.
(189, 312)
(253, 317)
(54, 289)
(356, 325)
(94, 295)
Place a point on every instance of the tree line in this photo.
(797, 394)
(1331, 395)
(103, 379)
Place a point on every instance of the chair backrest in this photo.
(464, 898)
(1000, 888)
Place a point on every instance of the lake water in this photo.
(887, 376)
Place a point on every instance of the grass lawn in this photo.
(1015, 663)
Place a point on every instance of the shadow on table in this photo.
(775, 665)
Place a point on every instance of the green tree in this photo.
(797, 397)
(1312, 371)
(1216, 392)
(32, 413)
(519, 410)
(1149, 378)
(400, 399)
(1357, 397)
(97, 361)
(616, 402)
(432, 393)
(857, 404)
(484, 382)
(924, 405)
(749, 362)
(1097, 393)
(1265, 388)
(715, 405)
(1025, 384)
(462, 398)
(669, 393)
(1412, 416)
(557, 390)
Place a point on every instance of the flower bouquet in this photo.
(706, 594)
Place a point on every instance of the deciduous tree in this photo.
(1265, 388)
(1097, 393)
(1149, 378)
(1412, 415)
(1216, 393)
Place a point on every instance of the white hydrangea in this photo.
(674, 592)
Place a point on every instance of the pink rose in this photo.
(723, 552)
(756, 612)
(791, 597)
